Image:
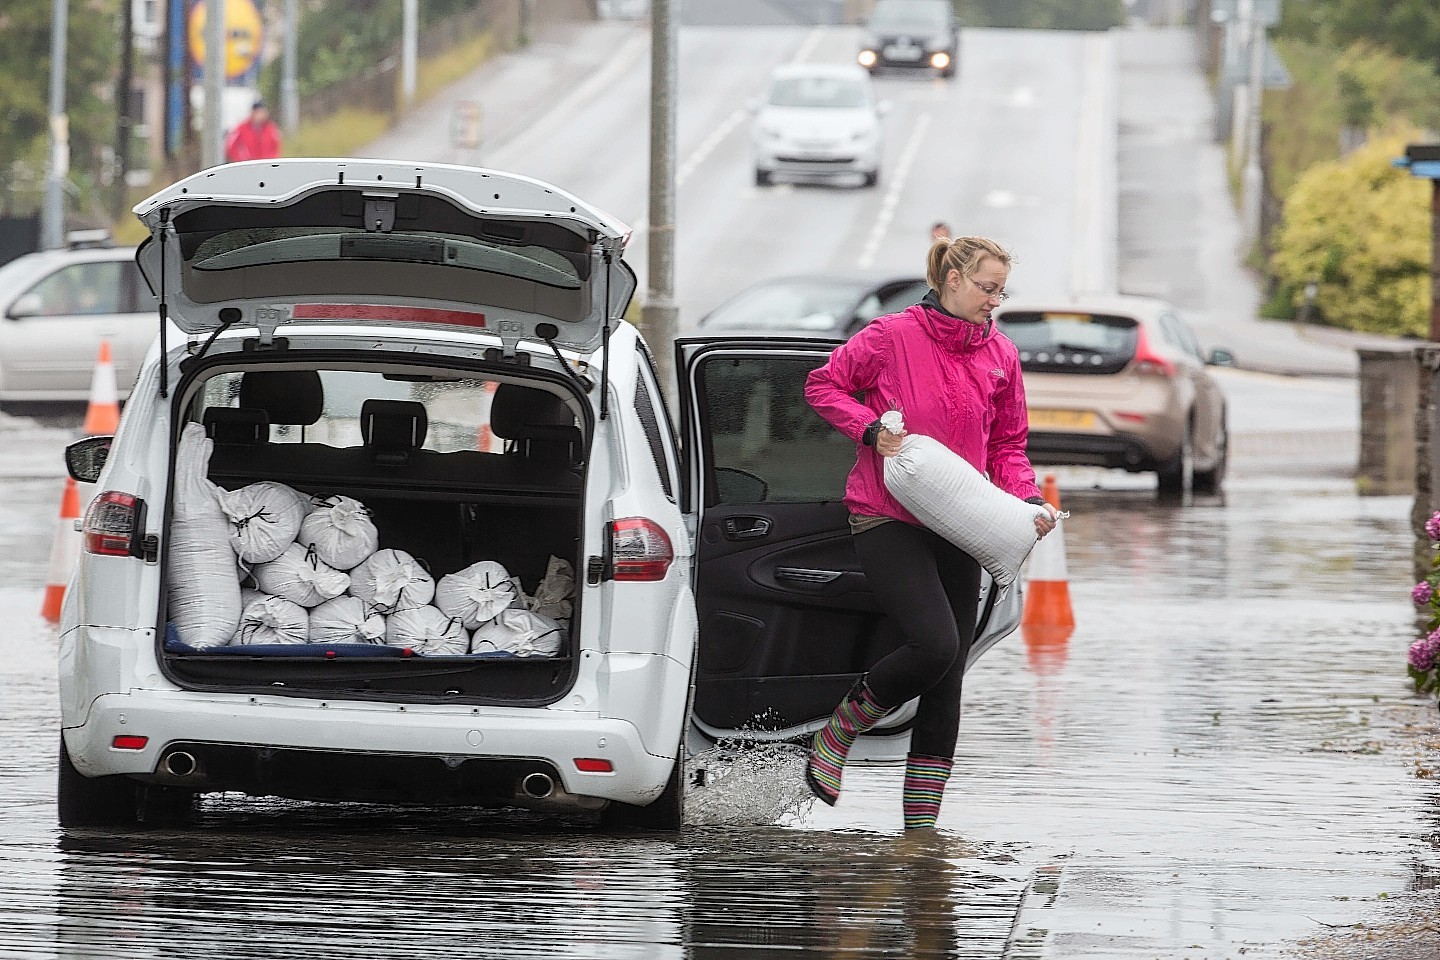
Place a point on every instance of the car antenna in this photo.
(164, 307)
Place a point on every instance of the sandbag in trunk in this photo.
(390, 580)
(522, 633)
(204, 592)
(427, 631)
(346, 620)
(301, 577)
(477, 593)
(272, 620)
(264, 517)
(341, 531)
(553, 596)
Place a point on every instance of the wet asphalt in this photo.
(1218, 762)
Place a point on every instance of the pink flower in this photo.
(1422, 592)
(1422, 656)
(1432, 526)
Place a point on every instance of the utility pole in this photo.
(408, 51)
(52, 231)
(658, 318)
(123, 120)
(289, 88)
(1253, 177)
(213, 148)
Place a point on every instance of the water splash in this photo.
(744, 783)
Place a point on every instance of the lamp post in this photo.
(659, 316)
(52, 232)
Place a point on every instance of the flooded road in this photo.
(1207, 768)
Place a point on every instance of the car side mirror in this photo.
(27, 306)
(84, 459)
(1220, 357)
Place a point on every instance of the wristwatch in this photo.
(870, 434)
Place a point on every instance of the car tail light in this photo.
(124, 742)
(593, 765)
(1149, 362)
(1132, 417)
(640, 550)
(110, 524)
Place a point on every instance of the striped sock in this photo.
(858, 712)
(924, 786)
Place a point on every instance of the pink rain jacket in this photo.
(953, 380)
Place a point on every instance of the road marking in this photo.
(892, 195)
(808, 45)
(708, 146)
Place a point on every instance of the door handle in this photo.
(806, 575)
(746, 528)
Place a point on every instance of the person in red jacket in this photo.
(256, 138)
(957, 379)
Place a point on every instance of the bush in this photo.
(1361, 228)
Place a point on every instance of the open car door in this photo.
(787, 621)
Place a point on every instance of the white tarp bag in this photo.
(476, 594)
(520, 632)
(199, 564)
(391, 579)
(272, 620)
(346, 620)
(552, 597)
(341, 531)
(427, 631)
(249, 595)
(952, 498)
(264, 519)
(301, 577)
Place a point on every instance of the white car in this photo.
(441, 344)
(818, 121)
(55, 308)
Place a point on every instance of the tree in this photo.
(91, 55)
(1408, 27)
(1360, 228)
(1042, 14)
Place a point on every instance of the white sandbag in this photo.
(272, 620)
(952, 498)
(249, 595)
(346, 620)
(520, 632)
(552, 597)
(391, 579)
(428, 631)
(264, 519)
(477, 593)
(300, 576)
(341, 531)
(204, 592)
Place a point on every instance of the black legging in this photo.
(930, 589)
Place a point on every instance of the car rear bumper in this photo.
(1052, 448)
(381, 752)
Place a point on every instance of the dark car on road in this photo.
(813, 305)
(913, 35)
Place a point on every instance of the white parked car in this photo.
(441, 345)
(55, 308)
(818, 121)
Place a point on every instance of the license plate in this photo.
(902, 53)
(1062, 419)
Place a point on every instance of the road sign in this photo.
(243, 31)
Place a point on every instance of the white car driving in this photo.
(818, 121)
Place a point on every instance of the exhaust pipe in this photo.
(180, 764)
(537, 785)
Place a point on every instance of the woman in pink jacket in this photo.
(941, 364)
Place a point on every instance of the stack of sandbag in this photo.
(519, 632)
(346, 620)
(426, 630)
(204, 593)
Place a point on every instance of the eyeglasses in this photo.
(991, 291)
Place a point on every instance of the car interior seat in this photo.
(536, 425)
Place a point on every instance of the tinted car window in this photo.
(895, 299)
(798, 306)
(818, 92)
(767, 445)
(1071, 342)
(650, 423)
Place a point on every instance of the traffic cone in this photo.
(102, 417)
(64, 552)
(1048, 619)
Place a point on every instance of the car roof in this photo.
(1140, 308)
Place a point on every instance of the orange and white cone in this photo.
(1048, 619)
(64, 552)
(102, 417)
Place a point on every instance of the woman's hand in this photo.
(887, 444)
(1045, 522)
